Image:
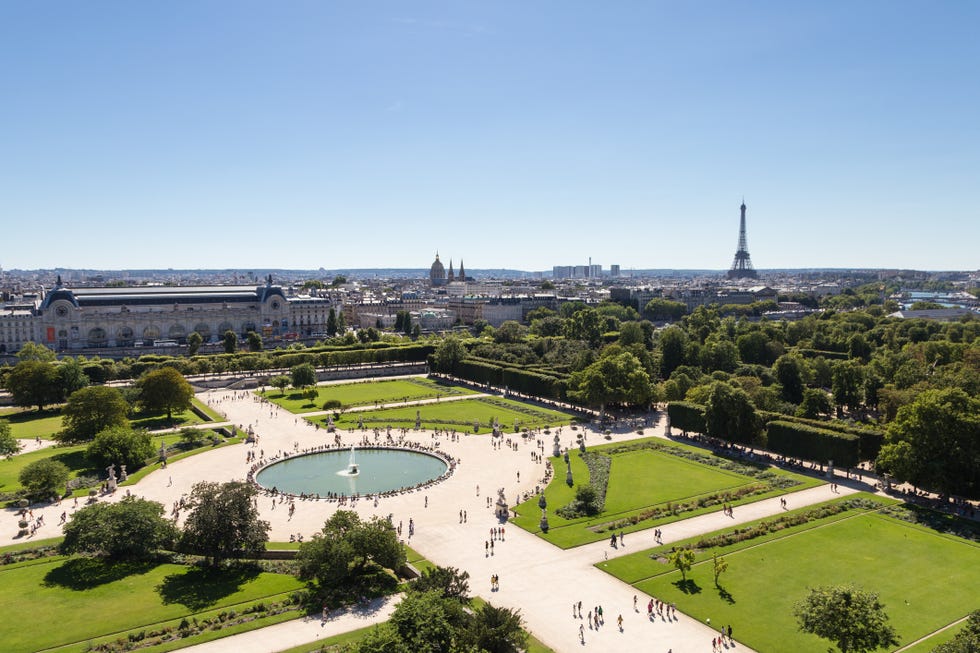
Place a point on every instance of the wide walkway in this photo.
(539, 579)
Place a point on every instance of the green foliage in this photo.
(33, 383)
(230, 341)
(194, 342)
(45, 478)
(686, 416)
(811, 443)
(815, 404)
(91, 410)
(497, 630)
(223, 521)
(854, 620)
(730, 415)
(131, 529)
(71, 377)
(448, 355)
(121, 445)
(254, 340)
(8, 443)
(664, 310)
(281, 382)
(619, 379)
(34, 351)
(449, 582)
(165, 389)
(349, 557)
(965, 641)
(303, 375)
(718, 565)
(681, 560)
(934, 443)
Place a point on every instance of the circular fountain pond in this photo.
(362, 471)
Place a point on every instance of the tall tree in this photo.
(618, 378)
(91, 410)
(8, 443)
(194, 342)
(789, 372)
(254, 341)
(934, 443)
(854, 620)
(332, 322)
(132, 529)
(165, 389)
(34, 351)
(121, 445)
(848, 385)
(730, 415)
(33, 383)
(448, 354)
(44, 478)
(672, 344)
(230, 341)
(584, 325)
(303, 375)
(70, 377)
(224, 522)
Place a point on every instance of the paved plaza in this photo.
(539, 579)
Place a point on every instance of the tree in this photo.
(303, 375)
(664, 310)
(586, 500)
(584, 324)
(854, 620)
(194, 342)
(165, 389)
(789, 373)
(815, 404)
(70, 377)
(33, 383)
(35, 351)
(281, 382)
(847, 385)
(718, 565)
(730, 415)
(230, 340)
(682, 560)
(350, 557)
(498, 630)
(510, 332)
(310, 393)
(450, 582)
(91, 410)
(131, 529)
(427, 623)
(753, 348)
(121, 445)
(9, 445)
(224, 522)
(617, 378)
(448, 354)
(934, 443)
(44, 478)
(331, 322)
(965, 641)
(673, 344)
(254, 341)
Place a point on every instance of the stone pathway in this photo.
(536, 577)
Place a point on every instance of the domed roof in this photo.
(437, 273)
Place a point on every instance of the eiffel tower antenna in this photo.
(742, 265)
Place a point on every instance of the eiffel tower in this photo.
(742, 265)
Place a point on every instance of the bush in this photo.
(811, 443)
(44, 478)
(121, 445)
(686, 416)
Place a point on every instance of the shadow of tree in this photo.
(201, 588)
(725, 595)
(688, 586)
(86, 573)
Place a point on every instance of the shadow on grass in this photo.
(688, 586)
(725, 595)
(82, 574)
(201, 588)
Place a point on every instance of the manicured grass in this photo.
(89, 599)
(924, 578)
(366, 393)
(638, 480)
(158, 421)
(927, 645)
(29, 424)
(458, 415)
(215, 415)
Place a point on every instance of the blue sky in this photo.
(510, 134)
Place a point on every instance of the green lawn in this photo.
(366, 393)
(88, 599)
(28, 424)
(925, 579)
(458, 415)
(639, 480)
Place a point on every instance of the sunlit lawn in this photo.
(83, 599)
(638, 480)
(365, 393)
(458, 415)
(925, 579)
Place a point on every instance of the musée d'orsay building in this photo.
(66, 319)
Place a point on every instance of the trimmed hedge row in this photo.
(515, 378)
(811, 443)
(686, 416)
(871, 439)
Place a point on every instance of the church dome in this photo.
(437, 273)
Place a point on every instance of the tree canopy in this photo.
(121, 445)
(34, 383)
(131, 529)
(91, 410)
(165, 389)
(854, 620)
(8, 443)
(44, 478)
(223, 521)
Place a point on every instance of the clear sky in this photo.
(211, 134)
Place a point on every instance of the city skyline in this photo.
(243, 135)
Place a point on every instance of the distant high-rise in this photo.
(742, 265)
